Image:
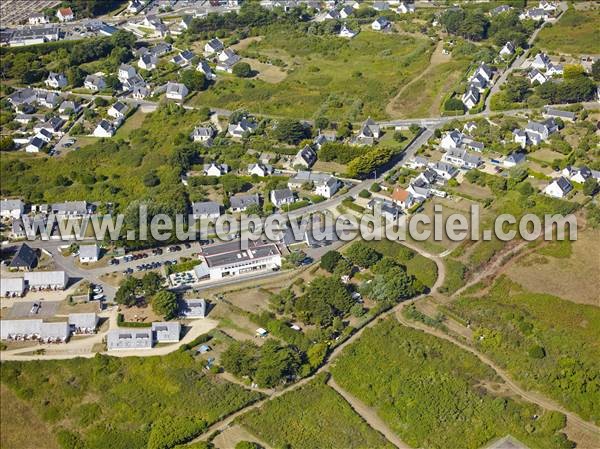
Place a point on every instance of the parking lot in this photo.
(26, 309)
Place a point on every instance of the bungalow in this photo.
(202, 134)
(65, 14)
(326, 187)
(73, 106)
(405, 8)
(534, 75)
(306, 157)
(240, 203)
(559, 113)
(462, 159)
(347, 32)
(508, 50)
(558, 188)
(202, 210)
(193, 308)
(118, 110)
(46, 280)
(94, 82)
(380, 24)
(35, 145)
(242, 128)
(184, 58)
(514, 158)
(204, 68)
(388, 209)
(11, 208)
(213, 46)
(148, 61)
(104, 129)
(176, 91)
(24, 259)
(214, 169)
(260, 170)
(281, 197)
(134, 338)
(166, 332)
(403, 198)
(89, 253)
(56, 80)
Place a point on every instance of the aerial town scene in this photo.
(299, 224)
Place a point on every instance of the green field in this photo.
(577, 32)
(309, 417)
(123, 403)
(327, 75)
(435, 395)
(513, 321)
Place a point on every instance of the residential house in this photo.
(135, 6)
(48, 99)
(239, 203)
(140, 92)
(260, 170)
(380, 6)
(323, 138)
(462, 159)
(534, 75)
(214, 169)
(203, 210)
(332, 14)
(184, 58)
(186, 21)
(193, 308)
(304, 178)
(69, 106)
(65, 14)
(347, 32)
(346, 12)
(155, 24)
(306, 157)
(580, 174)
(369, 132)
(444, 170)
(416, 163)
(37, 18)
(202, 134)
(451, 139)
(559, 113)
(226, 60)
(405, 8)
(125, 73)
(380, 24)
(11, 208)
(148, 61)
(176, 91)
(558, 188)
(388, 209)
(213, 46)
(281, 197)
(508, 50)
(326, 187)
(204, 68)
(94, 82)
(470, 127)
(24, 259)
(118, 110)
(547, 6)
(419, 190)
(104, 129)
(35, 145)
(56, 80)
(89, 253)
(514, 158)
(44, 134)
(536, 14)
(500, 10)
(537, 132)
(241, 128)
(471, 97)
(72, 209)
(21, 97)
(403, 198)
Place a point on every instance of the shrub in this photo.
(242, 70)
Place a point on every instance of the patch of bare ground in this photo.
(233, 435)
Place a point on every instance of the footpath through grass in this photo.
(435, 395)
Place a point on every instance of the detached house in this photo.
(471, 97)
(202, 134)
(405, 8)
(204, 68)
(11, 209)
(306, 157)
(535, 132)
(326, 187)
(534, 75)
(213, 46)
(118, 110)
(176, 91)
(260, 170)
(462, 159)
(148, 62)
(125, 73)
(206, 210)
(56, 80)
(216, 170)
(104, 129)
(346, 12)
(403, 198)
(35, 145)
(281, 197)
(508, 50)
(347, 32)
(94, 82)
(184, 58)
(65, 14)
(68, 105)
(226, 60)
(240, 203)
(380, 24)
(241, 128)
(558, 188)
(369, 132)
(580, 175)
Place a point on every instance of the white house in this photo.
(281, 197)
(56, 80)
(239, 203)
(327, 187)
(11, 208)
(451, 139)
(558, 188)
(513, 159)
(89, 253)
(405, 8)
(508, 50)
(471, 98)
(37, 19)
(306, 157)
(183, 58)
(214, 169)
(534, 75)
(541, 61)
(135, 6)
(461, 158)
(346, 12)
(65, 14)
(202, 134)
(369, 132)
(118, 110)
(213, 46)
(579, 175)
(104, 129)
(260, 170)
(35, 145)
(241, 128)
(379, 24)
(206, 210)
(204, 68)
(94, 82)
(176, 91)
(126, 72)
(403, 198)
(148, 61)
(347, 32)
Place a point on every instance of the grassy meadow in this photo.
(577, 32)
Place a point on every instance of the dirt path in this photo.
(369, 415)
(437, 58)
(575, 421)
